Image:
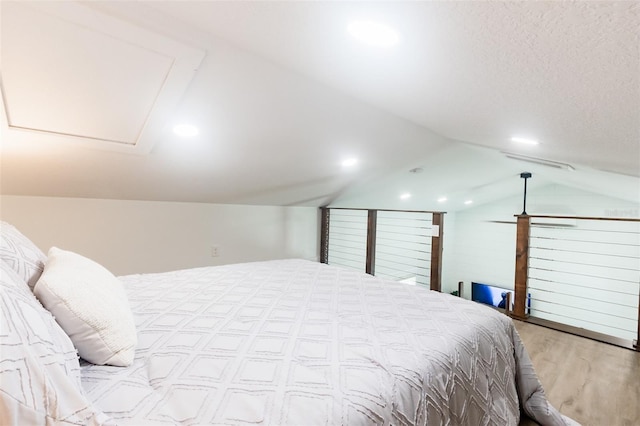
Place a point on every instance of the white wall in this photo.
(484, 250)
(147, 236)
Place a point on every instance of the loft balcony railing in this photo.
(402, 245)
(580, 275)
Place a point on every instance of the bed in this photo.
(283, 342)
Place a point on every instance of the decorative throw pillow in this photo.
(21, 254)
(90, 305)
(39, 369)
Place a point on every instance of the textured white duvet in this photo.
(303, 343)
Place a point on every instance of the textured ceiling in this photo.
(284, 94)
(566, 73)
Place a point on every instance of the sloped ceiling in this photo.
(468, 175)
(281, 95)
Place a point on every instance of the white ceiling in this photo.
(284, 94)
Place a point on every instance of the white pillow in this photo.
(17, 251)
(39, 369)
(90, 305)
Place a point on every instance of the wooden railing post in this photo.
(636, 343)
(522, 267)
(324, 235)
(372, 219)
(436, 250)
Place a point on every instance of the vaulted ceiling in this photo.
(281, 94)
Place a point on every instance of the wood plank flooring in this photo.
(593, 383)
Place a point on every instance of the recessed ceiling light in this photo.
(468, 202)
(185, 130)
(405, 196)
(442, 199)
(349, 162)
(524, 141)
(373, 33)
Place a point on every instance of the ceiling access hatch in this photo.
(71, 74)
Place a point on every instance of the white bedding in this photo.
(300, 343)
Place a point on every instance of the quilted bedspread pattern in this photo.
(300, 343)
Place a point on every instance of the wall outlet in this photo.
(215, 251)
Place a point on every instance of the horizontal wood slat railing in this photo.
(580, 275)
(383, 242)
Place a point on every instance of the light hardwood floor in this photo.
(593, 383)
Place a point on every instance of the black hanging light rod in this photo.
(525, 176)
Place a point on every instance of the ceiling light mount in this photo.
(185, 130)
(524, 141)
(349, 162)
(373, 33)
(525, 176)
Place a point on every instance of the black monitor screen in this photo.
(493, 296)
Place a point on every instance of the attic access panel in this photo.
(71, 74)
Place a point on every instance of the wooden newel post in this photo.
(436, 251)
(522, 267)
(372, 224)
(636, 343)
(324, 235)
